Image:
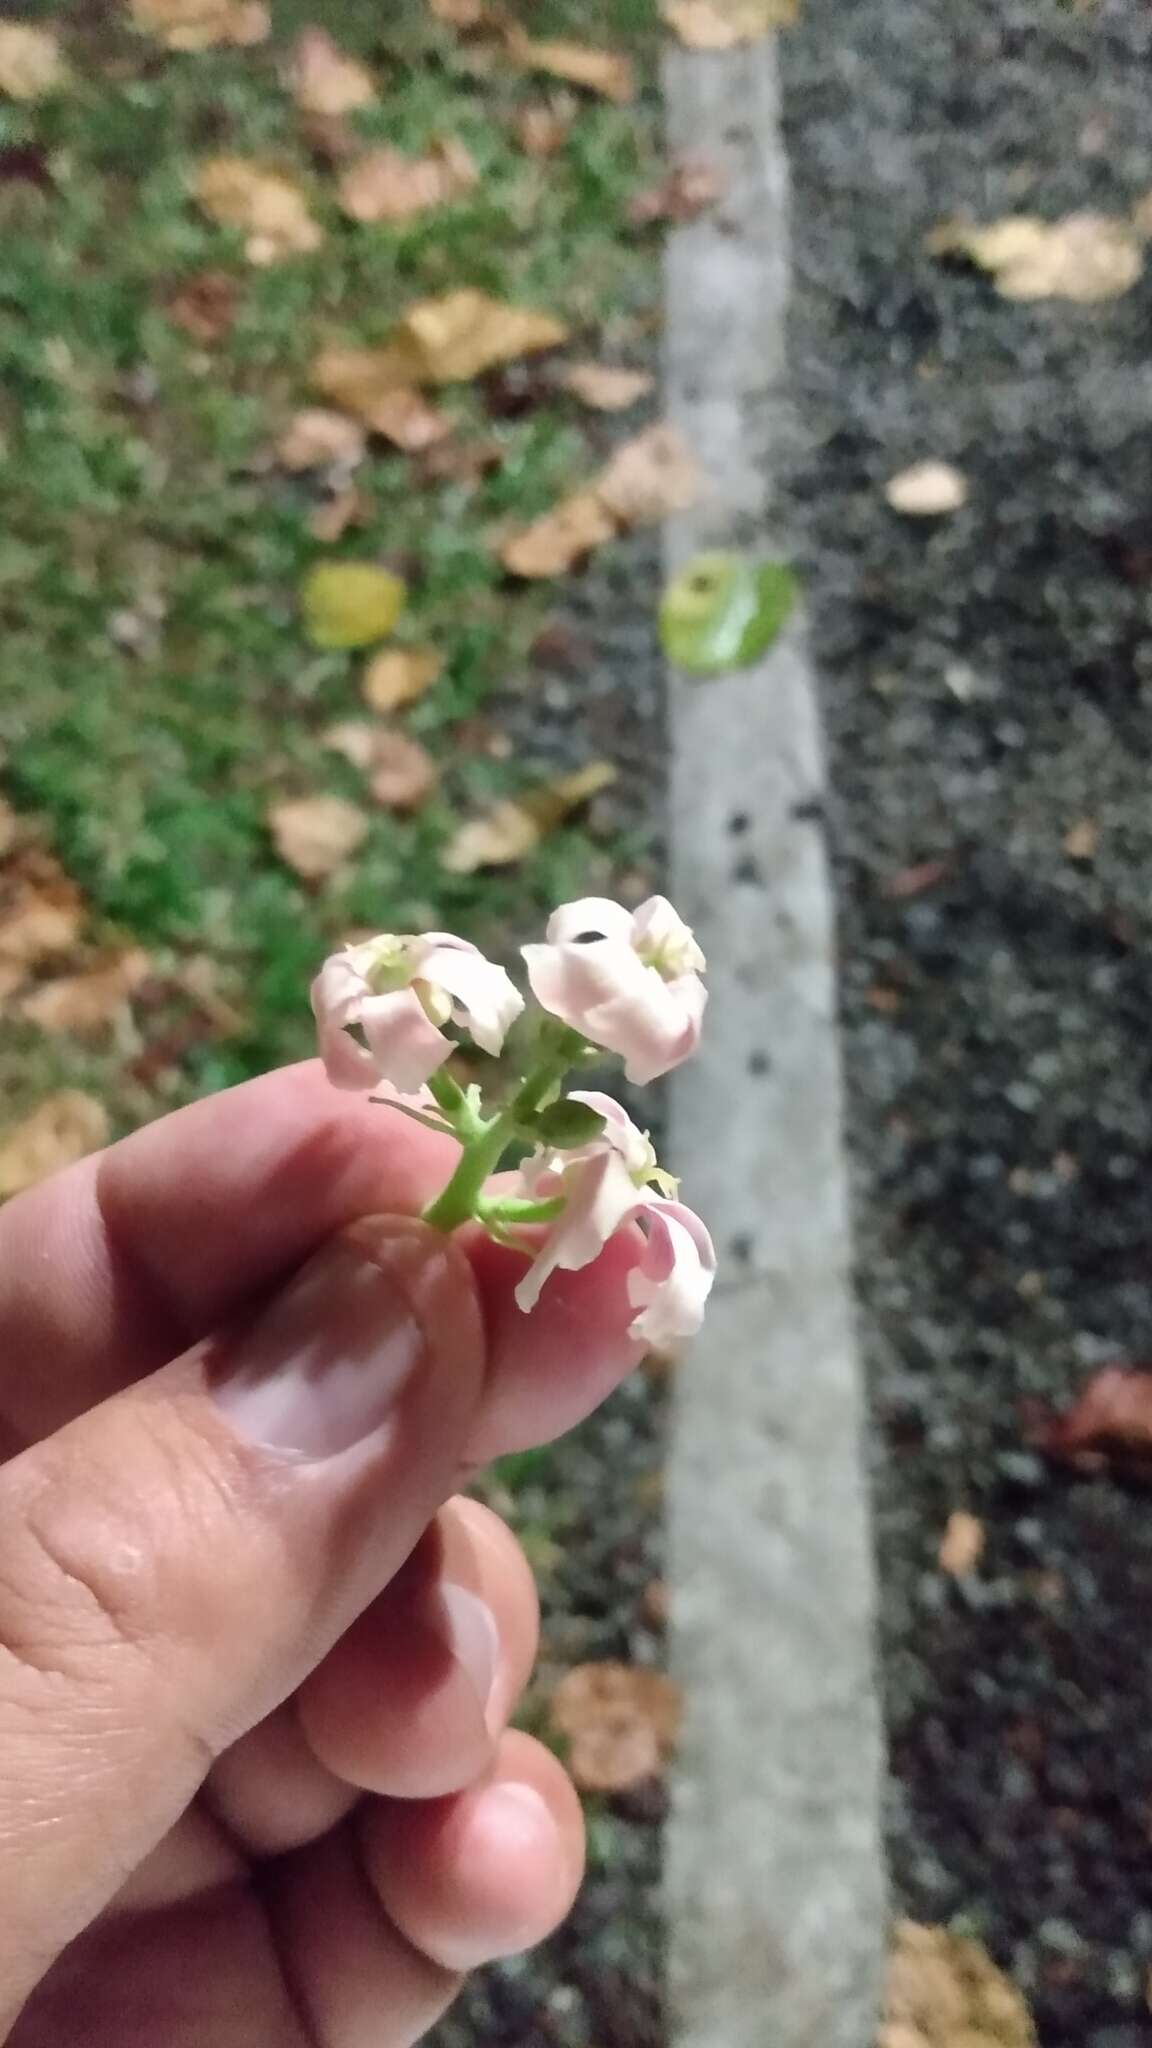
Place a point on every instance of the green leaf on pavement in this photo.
(723, 612)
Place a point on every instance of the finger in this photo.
(486, 1873)
(177, 1560)
(163, 1237)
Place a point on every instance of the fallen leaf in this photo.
(915, 880)
(318, 438)
(465, 13)
(690, 186)
(266, 207)
(401, 773)
(204, 305)
(1081, 840)
(350, 604)
(927, 490)
(9, 827)
(649, 477)
(1084, 257)
(202, 24)
(725, 24)
(347, 506)
(324, 80)
(79, 1005)
(722, 612)
(459, 335)
(1111, 1418)
(559, 538)
(944, 1991)
(399, 675)
(41, 914)
(31, 62)
(620, 1721)
(607, 72)
(330, 138)
(386, 185)
(543, 130)
(604, 386)
(64, 1128)
(962, 1544)
(514, 826)
(375, 384)
(454, 461)
(315, 835)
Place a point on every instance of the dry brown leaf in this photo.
(607, 72)
(398, 676)
(31, 62)
(725, 24)
(465, 332)
(375, 384)
(318, 438)
(649, 477)
(465, 13)
(324, 80)
(268, 208)
(944, 1991)
(689, 187)
(9, 828)
(204, 305)
(905, 883)
(926, 490)
(401, 773)
(962, 1544)
(41, 913)
(386, 185)
(1084, 257)
(64, 1128)
(346, 507)
(543, 130)
(78, 1005)
(1081, 840)
(621, 1723)
(202, 24)
(315, 835)
(606, 387)
(460, 462)
(514, 826)
(410, 422)
(559, 538)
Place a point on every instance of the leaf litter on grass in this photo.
(619, 1721)
(63, 1128)
(515, 826)
(316, 835)
(386, 185)
(193, 25)
(265, 206)
(647, 479)
(324, 80)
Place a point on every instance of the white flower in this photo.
(398, 992)
(629, 981)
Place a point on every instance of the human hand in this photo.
(256, 1662)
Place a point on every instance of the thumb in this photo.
(173, 1563)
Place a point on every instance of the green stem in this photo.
(482, 1153)
(507, 1210)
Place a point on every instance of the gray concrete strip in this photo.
(776, 1891)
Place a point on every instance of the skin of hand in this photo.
(257, 1656)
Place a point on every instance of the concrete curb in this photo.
(776, 1891)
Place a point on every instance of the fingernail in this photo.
(320, 1367)
(468, 1626)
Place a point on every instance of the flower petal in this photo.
(674, 1277)
(403, 1041)
(337, 993)
(625, 1137)
(659, 932)
(487, 995)
(601, 1195)
(589, 914)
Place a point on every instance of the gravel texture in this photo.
(987, 688)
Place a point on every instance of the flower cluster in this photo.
(607, 980)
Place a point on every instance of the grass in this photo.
(137, 486)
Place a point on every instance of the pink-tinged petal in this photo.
(589, 914)
(337, 993)
(660, 933)
(601, 1195)
(674, 1277)
(403, 1041)
(654, 1025)
(625, 1137)
(572, 981)
(485, 993)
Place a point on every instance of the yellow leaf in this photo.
(268, 208)
(604, 386)
(78, 1005)
(315, 835)
(649, 477)
(401, 773)
(319, 439)
(350, 604)
(513, 827)
(1084, 257)
(1081, 840)
(201, 24)
(31, 62)
(398, 676)
(324, 80)
(927, 490)
(944, 1991)
(64, 1128)
(465, 332)
(386, 185)
(559, 538)
(620, 1721)
(725, 24)
(607, 72)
